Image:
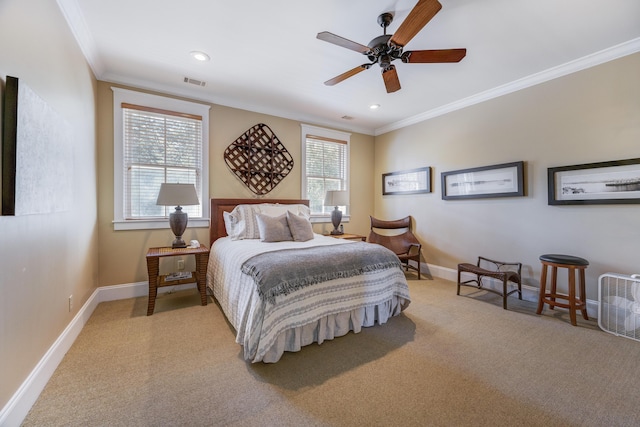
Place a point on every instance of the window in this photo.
(325, 166)
(156, 140)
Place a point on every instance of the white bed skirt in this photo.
(266, 330)
(332, 326)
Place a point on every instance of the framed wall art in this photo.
(614, 182)
(37, 154)
(411, 181)
(503, 180)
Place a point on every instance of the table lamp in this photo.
(178, 195)
(336, 198)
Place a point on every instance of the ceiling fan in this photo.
(385, 49)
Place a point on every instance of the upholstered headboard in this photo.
(218, 206)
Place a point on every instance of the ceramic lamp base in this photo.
(336, 218)
(178, 222)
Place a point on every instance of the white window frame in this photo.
(154, 101)
(330, 134)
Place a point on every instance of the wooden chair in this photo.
(404, 245)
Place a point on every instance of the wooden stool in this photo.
(572, 263)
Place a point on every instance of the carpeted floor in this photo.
(447, 361)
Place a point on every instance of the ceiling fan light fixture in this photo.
(386, 48)
(200, 56)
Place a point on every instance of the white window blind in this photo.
(326, 167)
(157, 139)
(159, 146)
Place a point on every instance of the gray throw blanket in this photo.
(284, 271)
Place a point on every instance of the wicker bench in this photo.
(500, 270)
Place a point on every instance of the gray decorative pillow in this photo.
(273, 229)
(300, 227)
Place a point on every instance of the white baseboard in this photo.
(20, 403)
(23, 399)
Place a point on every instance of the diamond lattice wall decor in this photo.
(259, 159)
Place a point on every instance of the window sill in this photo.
(151, 224)
(326, 219)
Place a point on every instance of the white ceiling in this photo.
(265, 56)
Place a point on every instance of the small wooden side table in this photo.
(348, 236)
(156, 281)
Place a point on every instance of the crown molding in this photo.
(195, 95)
(75, 20)
(606, 55)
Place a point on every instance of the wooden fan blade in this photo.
(429, 56)
(419, 16)
(341, 41)
(347, 74)
(390, 77)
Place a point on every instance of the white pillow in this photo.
(300, 227)
(273, 229)
(241, 222)
(277, 209)
(228, 223)
(304, 210)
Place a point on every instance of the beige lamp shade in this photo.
(178, 195)
(336, 198)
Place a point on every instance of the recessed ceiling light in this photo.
(200, 56)
(374, 106)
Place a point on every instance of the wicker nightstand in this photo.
(156, 281)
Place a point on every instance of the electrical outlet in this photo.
(181, 264)
(70, 303)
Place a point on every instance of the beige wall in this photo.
(589, 116)
(47, 257)
(122, 252)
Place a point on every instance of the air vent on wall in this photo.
(194, 81)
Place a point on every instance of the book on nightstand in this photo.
(177, 276)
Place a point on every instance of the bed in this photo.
(277, 307)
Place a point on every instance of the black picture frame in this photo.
(412, 181)
(600, 183)
(9, 146)
(501, 180)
